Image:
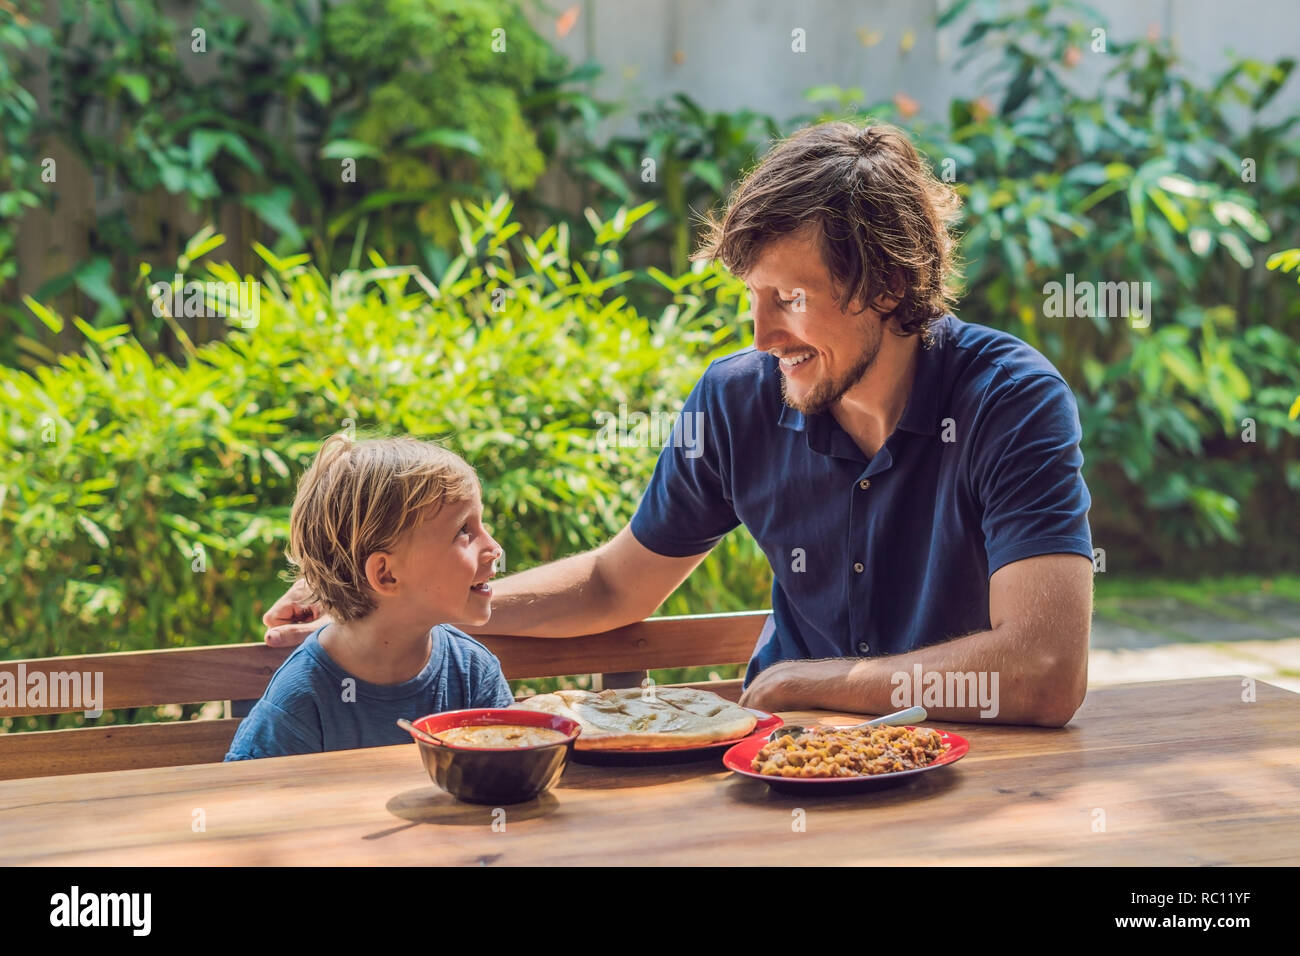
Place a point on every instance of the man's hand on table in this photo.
(776, 688)
(291, 620)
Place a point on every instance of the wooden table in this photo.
(1167, 773)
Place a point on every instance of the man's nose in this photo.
(766, 325)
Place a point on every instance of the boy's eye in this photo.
(464, 530)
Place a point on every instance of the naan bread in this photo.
(622, 720)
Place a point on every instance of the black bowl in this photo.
(498, 775)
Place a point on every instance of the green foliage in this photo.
(443, 99)
(121, 472)
(20, 38)
(256, 118)
(697, 156)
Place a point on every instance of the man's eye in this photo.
(785, 301)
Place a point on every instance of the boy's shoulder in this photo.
(470, 673)
(287, 718)
(300, 678)
(463, 647)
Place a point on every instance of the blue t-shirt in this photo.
(879, 556)
(308, 708)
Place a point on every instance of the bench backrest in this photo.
(240, 673)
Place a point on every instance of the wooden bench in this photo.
(239, 673)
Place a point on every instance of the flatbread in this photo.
(623, 720)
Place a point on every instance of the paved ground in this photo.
(1142, 639)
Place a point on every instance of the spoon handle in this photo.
(416, 732)
(912, 715)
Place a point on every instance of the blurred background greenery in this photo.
(138, 447)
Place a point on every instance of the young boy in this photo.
(388, 535)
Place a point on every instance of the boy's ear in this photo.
(379, 571)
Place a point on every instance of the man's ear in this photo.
(886, 302)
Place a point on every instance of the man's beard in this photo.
(827, 392)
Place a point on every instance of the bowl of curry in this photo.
(496, 755)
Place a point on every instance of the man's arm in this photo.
(619, 583)
(1040, 609)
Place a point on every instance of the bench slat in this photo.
(50, 753)
(179, 675)
(657, 642)
(193, 675)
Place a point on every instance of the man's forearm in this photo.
(563, 598)
(1026, 687)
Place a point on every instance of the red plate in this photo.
(631, 756)
(740, 757)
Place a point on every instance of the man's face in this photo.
(837, 347)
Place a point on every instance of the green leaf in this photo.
(136, 84)
(93, 279)
(348, 149)
(275, 209)
(1019, 89)
(607, 177)
(1041, 247)
(450, 138)
(1277, 77)
(94, 531)
(1092, 174)
(1237, 249)
(204, 144)
(276, 462)
(1286, 260)
(317, 84)
(1166, 205)
(52, 321)
(201, 243)
(710, 173)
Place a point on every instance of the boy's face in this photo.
(445, 564)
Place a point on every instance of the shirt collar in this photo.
(922, 410)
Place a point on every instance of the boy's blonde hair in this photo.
(360, 497)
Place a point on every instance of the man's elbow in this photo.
(1064, 687)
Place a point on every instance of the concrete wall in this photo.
(733, 54)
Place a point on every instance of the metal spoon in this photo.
(419, 734)
(912, 715)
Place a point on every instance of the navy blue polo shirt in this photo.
(882, 555)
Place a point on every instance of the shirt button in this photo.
(863, 647)
(864, 484)
(858, 567)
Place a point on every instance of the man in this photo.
(913, 480)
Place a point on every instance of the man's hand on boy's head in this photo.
(289, 622)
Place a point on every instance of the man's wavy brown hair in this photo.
(882, 218)
(359, 497)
